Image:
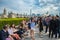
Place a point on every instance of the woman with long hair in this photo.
(32, 25)
(40, 25)
(12, 31)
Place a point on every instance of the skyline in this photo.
(24, 6)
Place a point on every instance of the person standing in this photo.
(32, 25)
(40, 25)
(57, 27)
(53, 27)
(47, 19)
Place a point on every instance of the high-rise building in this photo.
(4, 11)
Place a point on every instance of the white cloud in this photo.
(22, 6)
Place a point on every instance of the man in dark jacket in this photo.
(4, 33)
(57, 26)
(51, 27)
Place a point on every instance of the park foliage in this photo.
(9, 21)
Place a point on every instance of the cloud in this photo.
(21, 6)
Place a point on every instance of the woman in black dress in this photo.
(40, 25)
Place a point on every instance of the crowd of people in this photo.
(13, 32)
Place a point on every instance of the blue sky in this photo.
(23, 6)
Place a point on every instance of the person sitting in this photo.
(21, 31)
(12, 31)
(4, 33)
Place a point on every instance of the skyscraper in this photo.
(4, 11)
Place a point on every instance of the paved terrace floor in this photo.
(44, 36)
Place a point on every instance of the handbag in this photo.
(8, 39)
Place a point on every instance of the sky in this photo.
(24, 6)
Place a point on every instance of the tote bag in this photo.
(8, 39)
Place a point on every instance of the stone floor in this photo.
(44, 36)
